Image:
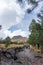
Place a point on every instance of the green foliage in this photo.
(15, 42)
(33, 1)
(36, 36)
(0, 27)
(21, 43)
(7, 41)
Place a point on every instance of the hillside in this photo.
(19, 39)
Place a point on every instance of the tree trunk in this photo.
(38, 46)
(41, 49)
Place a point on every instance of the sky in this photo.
(14, 17)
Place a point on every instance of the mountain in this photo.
(19, 39)
(15, 37)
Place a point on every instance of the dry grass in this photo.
(11, 45)
(35, 49)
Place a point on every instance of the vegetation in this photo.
(0, 27)
(36, 29)
(36, 36)
(33, 1)
(7, 42)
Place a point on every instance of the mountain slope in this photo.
(19, 39)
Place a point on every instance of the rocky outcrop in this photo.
(19, 56)
(11, 53)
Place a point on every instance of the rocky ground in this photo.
(20, 56)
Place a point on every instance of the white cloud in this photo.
(13, 7)
(3, 5)
(2, 35)
(7, 9)
(11, 13)
(18, 19)
(6, 13)
(38, 8)
(15, 33)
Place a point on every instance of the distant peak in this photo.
(18, 36)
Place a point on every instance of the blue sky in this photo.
(14, 17)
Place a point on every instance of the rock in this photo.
(19, 56)
(18, 49)
(11, 51)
